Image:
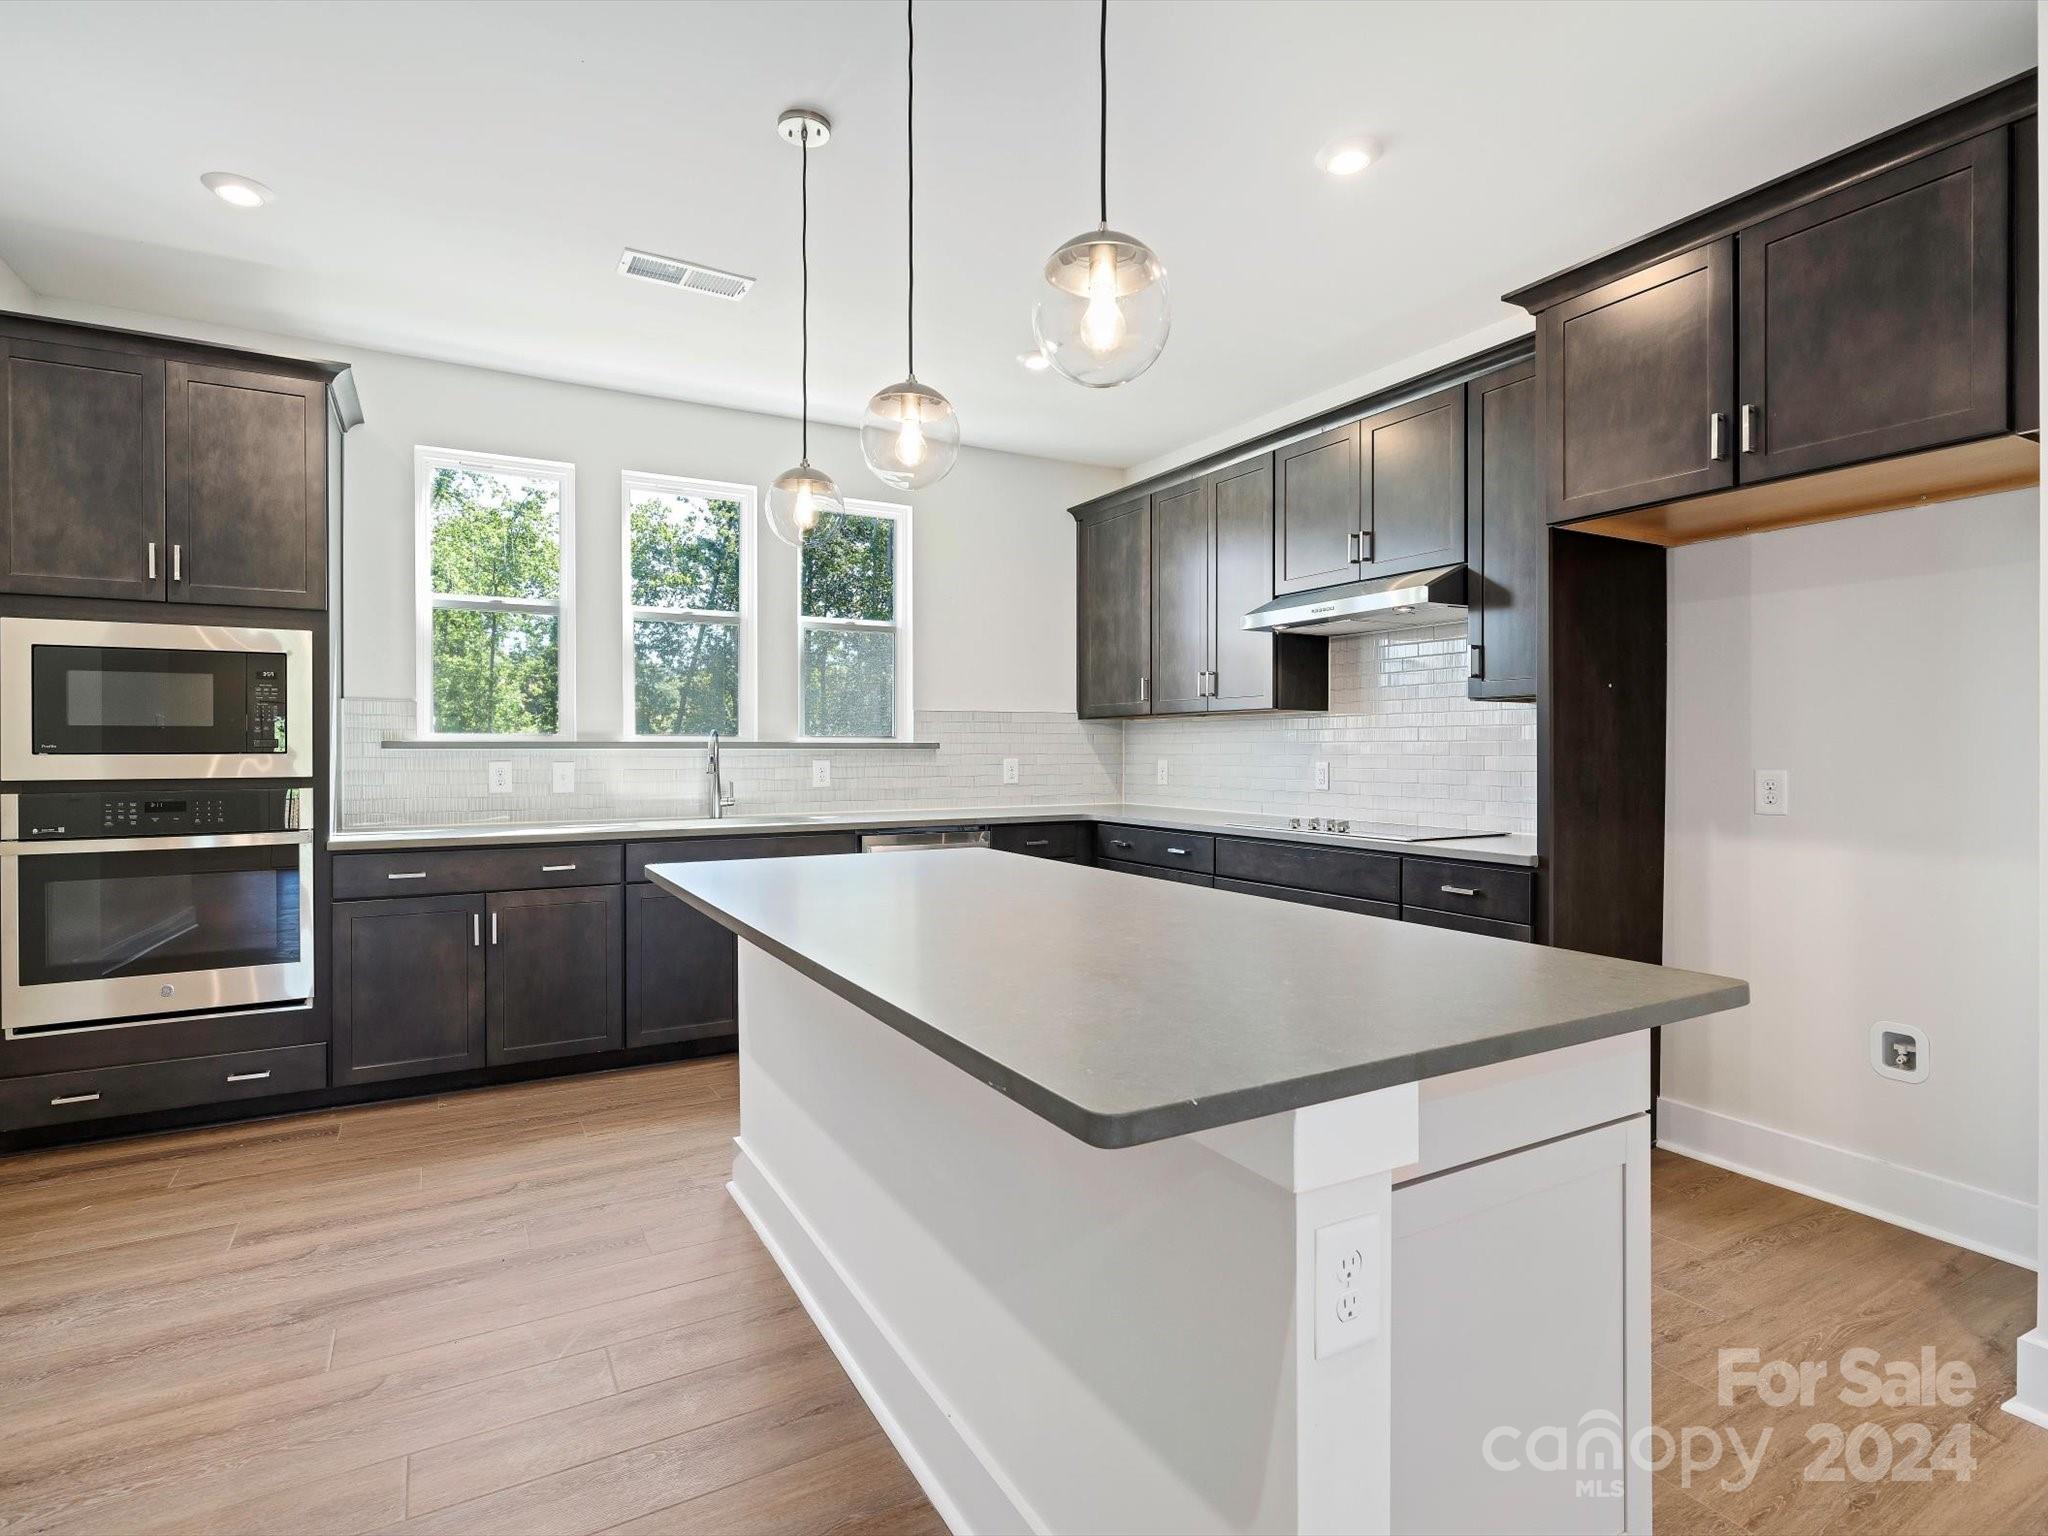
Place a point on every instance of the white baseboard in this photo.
(2030, 1402)
(1963, 1214)
(965, 1489)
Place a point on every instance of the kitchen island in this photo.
(1134, 1206)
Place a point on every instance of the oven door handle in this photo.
(27, 849)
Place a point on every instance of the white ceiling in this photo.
(456, 180)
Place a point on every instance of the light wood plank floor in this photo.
(533, 1310)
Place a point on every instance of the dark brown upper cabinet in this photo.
(1183, 593)
(1874, 320)
(1505, 533)
(1639, 384)
(1113, 661)
(1318, 518)
(1251, 669)
(245, 487)
(81, 471)
(1412, 462)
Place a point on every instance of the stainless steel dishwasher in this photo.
(924, 837)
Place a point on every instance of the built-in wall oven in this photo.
(125, 906)
(88, 699)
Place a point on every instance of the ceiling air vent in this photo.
(671, 273)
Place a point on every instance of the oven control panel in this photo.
(157, 812)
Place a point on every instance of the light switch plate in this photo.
(564, 778)
(1162, 770)
(1009, 770)
(1347, 1285)
(1322, 775)
(821, 772)
(501, 778)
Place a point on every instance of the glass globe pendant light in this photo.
(1106, 316)
(801, 497)
(909, 434)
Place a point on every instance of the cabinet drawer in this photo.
(1310, 898)
(1333, 871)
(449, 871)
(1154, 872)
(1043, 839)
(62, 1097)
(1501, 892)
(1463, 924)
(689, 850)
(1149, 845)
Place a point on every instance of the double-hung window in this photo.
(494, 578)
(853, 629)
(688, 565)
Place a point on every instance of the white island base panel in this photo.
(1062, 1338)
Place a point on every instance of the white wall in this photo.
(14, 293)
(992, 544)
(1890, 664)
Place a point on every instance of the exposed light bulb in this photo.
(910, 438)
(806, 511)
(1102, 327)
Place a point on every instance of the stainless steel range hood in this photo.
(1384, 602)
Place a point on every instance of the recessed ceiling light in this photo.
(1347, 157)
(1037, 362)
(236, 191)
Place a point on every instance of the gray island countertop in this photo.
(1126, 1010)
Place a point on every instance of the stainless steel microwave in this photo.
(84, 699)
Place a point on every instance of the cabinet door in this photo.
(1316, 519)
(1413, 492)
(555, 963)
(1181, 617)
(1241, 501)
(681, 970)
(1874, 319)
(81, 471)
(245, 489)
(1115, 613)
(408, 987)
(1505, 533)
(1640, 386)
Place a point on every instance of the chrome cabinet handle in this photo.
(494, 927)
(1478, 667)
(411, 874)
(1351, 547)
(1036, 842)
(1717, 434)
(476, 930)
(1749, 429)
(248, 1077)
(556, 869)
(177, 562)
(75, 1098)
(152, 559)
(1117, 842)
(1458, 890)
(1179, 852)
(1144, 690)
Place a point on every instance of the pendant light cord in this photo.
(1103, 49)
(804, 244)
(910, 197)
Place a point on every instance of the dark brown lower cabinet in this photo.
(408, 987)
(556, 972)
(1310, 898)
(681, 971)
(1491, 927)
(1178, 876)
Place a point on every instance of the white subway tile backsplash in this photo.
(1403, 743)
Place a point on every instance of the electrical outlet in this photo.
(501, 778)
(1773, 792)
(564, 778)
(1322, 775)
(821, 772)
(1898, 1051)
(1162, 770)
(1347, 1284)
(1009, 770)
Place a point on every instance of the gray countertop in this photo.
(1126, 1010)
(1516, 849)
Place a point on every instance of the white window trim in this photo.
(906, 723)
(632, 480)
(425, 461)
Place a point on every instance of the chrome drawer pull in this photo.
(1457, 890)
(76, 1098)
(494, 927)
(417, 874)
(476, 930)
(1117, 842)
(556, 869)
(1036, 842)
(1182, 852)
(248, 1077)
